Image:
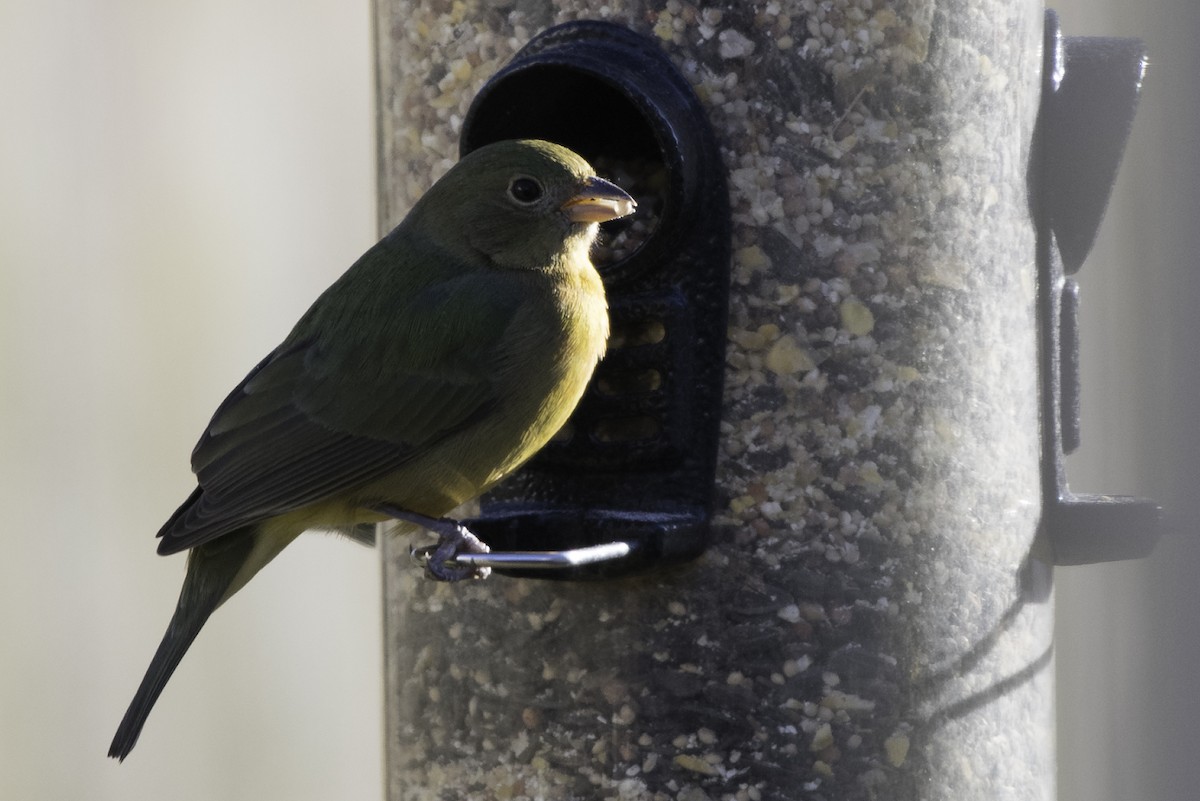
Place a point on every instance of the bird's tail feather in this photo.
(213, 569)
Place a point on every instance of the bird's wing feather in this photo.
(313, 420)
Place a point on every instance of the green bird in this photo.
(443, 359)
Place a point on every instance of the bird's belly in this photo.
(432, 488)
(470, 462)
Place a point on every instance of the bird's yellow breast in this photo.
(548, 353)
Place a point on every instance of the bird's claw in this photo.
(441, 559)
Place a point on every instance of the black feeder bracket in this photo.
(1090, 88)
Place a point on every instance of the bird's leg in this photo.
(453, 539)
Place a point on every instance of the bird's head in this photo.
(520, 204)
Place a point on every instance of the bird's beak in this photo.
(598, 202)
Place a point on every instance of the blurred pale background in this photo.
(179, 181)
(1128, 634)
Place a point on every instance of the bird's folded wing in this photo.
(309, 423)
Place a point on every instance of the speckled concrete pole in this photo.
(869, 622)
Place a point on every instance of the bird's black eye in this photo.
(525, 190)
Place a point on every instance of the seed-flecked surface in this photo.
(868, 623)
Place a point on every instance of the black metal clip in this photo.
(636, 462)
(1090, 88)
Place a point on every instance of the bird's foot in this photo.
(454, 539)
(442, 563)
